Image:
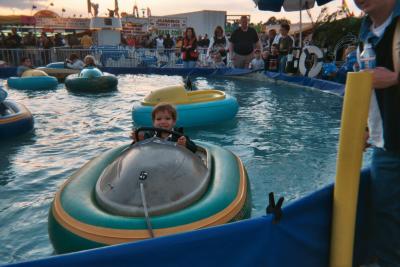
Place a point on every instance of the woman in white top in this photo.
(218, 44)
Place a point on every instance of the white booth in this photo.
(107, 30)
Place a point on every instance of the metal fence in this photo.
(105, 56)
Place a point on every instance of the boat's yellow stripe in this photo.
(115, 236)
(16, 118)
(193, 97)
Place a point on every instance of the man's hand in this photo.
(133, 136)
(366, 137)
(383, 78)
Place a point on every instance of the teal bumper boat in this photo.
(15, 119)
(33, 80)
(150, 189)
(91, 80)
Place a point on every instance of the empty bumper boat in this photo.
(194, 108)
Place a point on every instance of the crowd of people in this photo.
(29, 40)
(243, 48)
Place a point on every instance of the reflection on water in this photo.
(285, 136)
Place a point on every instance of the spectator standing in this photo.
(271, 59)
(160, 43)
(189, 48)
(218, 61)
(15, 39)
(168, 42)
(218, 44)
(285, 43)
(206, 41)
(257, 63)
(380, 28)
(242, 44)
(59, 40)
(271, 38)
(178, 46)
(73, 40)
(86, 41)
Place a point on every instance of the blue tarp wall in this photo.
(300, 238)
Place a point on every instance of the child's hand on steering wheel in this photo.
(182, 141)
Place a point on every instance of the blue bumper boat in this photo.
(15, 119)
(58, 70)
(195, 108)
(33, 80)
(91, 80)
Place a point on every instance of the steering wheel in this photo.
(158, 130)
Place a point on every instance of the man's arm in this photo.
(231, 50)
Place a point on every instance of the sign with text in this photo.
(63, 23)
(168, 23)
(134, 26)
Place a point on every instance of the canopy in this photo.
(288, 5)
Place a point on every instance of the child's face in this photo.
(163, 119)
(283, 31)
(274, 50)
(257, 55)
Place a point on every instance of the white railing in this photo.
(105, 56)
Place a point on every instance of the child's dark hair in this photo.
(24, 59)
(275, 45)
(285, 26)
(164, 107)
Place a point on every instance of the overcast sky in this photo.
(160, 7)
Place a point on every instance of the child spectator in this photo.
(164, 116)
(329, 68)
(218, 61)
(257, 63)
(271, 60)
(285, 46)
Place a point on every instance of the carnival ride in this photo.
(137, 192)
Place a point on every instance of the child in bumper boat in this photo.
(164, 116)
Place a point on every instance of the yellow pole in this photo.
(351, 143)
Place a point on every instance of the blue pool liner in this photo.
(300, 238)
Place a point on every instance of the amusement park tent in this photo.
(289, 5)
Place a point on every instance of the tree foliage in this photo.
(330, 31)
(274, 21)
